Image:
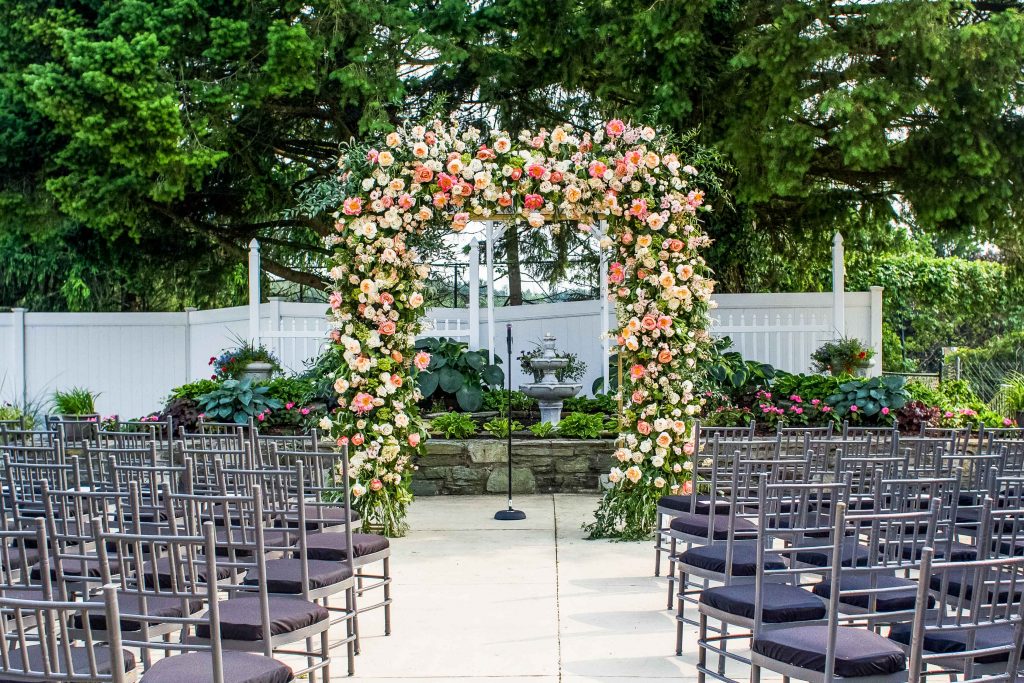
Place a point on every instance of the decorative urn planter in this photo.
(258, 371)
(79, 427)
(861, 369)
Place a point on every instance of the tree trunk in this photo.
(515, 275)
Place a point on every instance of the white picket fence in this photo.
(134, 359)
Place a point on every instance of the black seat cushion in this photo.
(856, 502)
(14, 557)
(941, 642)
(163, 572)
(156, 606)
(744, 559)
(961, 552)
(817, 525)
(285, 575)
(331, 546)
(240, 617)
(79, 661)
(853, 554)
(697, 525)
(782, 604)
(894, 601)
(245, 545)
(962, 580)
(859, 652)
(74, 568)
(239, 667)
(325, 516)
(703, 504)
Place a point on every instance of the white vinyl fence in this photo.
(134, 359)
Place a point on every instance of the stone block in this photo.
(424, 488)
(523, 481)
(467, 480)
(488, 451)
(575, 463)
(445, 447)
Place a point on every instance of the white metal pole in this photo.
(254, 292)
(474, 294)
(838, 286)
(605, 323)
(876, 328)
(490, 292)
(189, 310)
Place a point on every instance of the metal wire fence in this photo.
(985, 375)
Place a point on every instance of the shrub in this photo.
(497, 399)
(457, 373)
(582, 425)
(542, 429)
(193, 390)
(600, 403)
(735, 377)
(75, 401)
(9, 411)
(500, 426)
(237, 400)
(184, 412)
(914, 414)
(453, 425)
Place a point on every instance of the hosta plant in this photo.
(500, 426)
(877, 397)
(457, 372)
(582, 425)
(237, 400)
(453, 425)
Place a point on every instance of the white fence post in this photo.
(474, 294)
(876, 327)
(838, 285)
(18, 355)
(189, 310)
(254, 292)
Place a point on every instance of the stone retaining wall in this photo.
(475, 466)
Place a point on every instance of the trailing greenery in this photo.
(453, 425)
(572, 372)
(456, 374)
(231, 363)
(582, 425)
(497, 399)
(76, 401)
(238, 400)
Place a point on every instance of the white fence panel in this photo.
(134, 359)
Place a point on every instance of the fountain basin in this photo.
(549, 392)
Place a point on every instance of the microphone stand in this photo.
(510, 514)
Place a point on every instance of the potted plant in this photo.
(843, 356)
(247, 360)
(76, 408)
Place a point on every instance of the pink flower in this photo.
(854, 408)
(414, 439)
(826, 409)
(687, 487)
(616, 273)
(387, 328)
(798, 410)
(304, 411)
(637, 371)
(643, 427)
(533, 201)
(353, 206)
(885, 410)
(535, 171)
(1007, 422)
(376, 485)
(362, 403)
(948, 414)
(615, 128)
(815, 401)
(421, 360)
(796, 399)
(597, 169)
(261, 417)
(289, 405)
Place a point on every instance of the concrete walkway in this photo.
(511, 602)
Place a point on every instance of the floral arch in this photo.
(419, 182)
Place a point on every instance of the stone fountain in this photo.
(549, 392)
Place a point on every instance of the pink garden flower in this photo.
(421, 360)
(615, 128)
(637, 371)
(361, 404)
(533, 201)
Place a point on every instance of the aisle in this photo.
(531, 601)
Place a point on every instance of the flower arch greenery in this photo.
(421, 181)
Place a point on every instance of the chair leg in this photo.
(657, 545)
(725, 647)
(702, 653)
(325, 650)
(387, 596)
(671, 573)
(755, 673)
(355, 617)
(309, 661)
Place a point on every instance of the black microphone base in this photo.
(509, 515)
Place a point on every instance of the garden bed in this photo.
(476, 466)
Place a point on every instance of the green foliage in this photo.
(237, 400)
(842, 356)
(1007, 349)
(193, 390)
(1011, 394)
(572, 372)
(582, 426)
(184, 412)
(599, 403)
(936, 302)
(497, 399)
(732, 375)
(76, 401)
(543, 430)
(500, 426)
(864, 398)
(457, 372)
(12, 413)
(298, 390)
(453, 425)
(808, 387)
